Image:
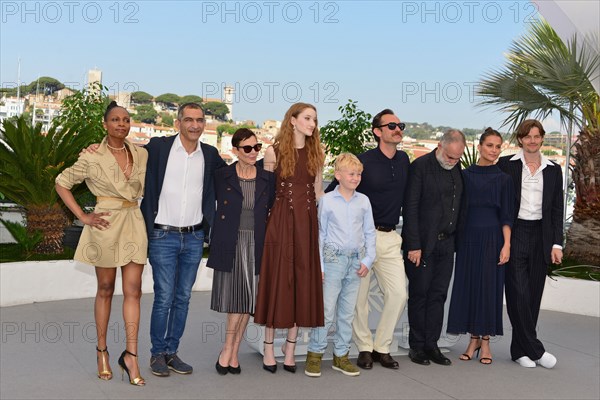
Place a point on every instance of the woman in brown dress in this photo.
(290, 291)
(114, 234)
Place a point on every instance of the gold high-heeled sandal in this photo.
(138, 381)
(105, 374)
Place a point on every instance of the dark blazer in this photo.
(422, 210)
(224, 232)
(158, 155)
(552, 201)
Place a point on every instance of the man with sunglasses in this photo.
(178, 208)
(383, 181)
(430, 215)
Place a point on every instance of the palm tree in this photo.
(30, 160)
(542, 76)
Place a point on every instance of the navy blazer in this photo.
(224, 233)
(552, 201)
(158, 155)
(422, 210)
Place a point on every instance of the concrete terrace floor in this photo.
(47, 352)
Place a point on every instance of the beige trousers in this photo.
(389, 270)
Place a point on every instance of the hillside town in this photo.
(44, 107)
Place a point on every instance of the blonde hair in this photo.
(347, 160)
(284, 143)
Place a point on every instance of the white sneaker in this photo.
(547, 360)
(525, 362)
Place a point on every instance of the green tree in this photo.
(145, 113)
(191, 98)
(85, 107)
(168, 99)
(543, 75)
(350, 133)
(216, 109)
(140, 97)
(30, 160)
(166, 119)
(44, 85)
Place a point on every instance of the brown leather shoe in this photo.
(365, 361)
(385, 360)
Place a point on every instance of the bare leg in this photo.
(239, 336)
(269, 356)
(104, 293)
(230, 333)
(290, 346)
(132, 292)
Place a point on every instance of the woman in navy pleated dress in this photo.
(483, 248)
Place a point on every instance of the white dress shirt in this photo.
(532, 188)
(180, 200)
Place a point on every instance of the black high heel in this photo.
(485, 358)
(271, 368)
(138, 381)
(289, 368)
(465, 356)
(221, 369)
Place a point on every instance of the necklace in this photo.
(124, 170)
(116, 148)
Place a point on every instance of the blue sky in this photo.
(420, 58)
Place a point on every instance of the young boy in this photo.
(347, 246)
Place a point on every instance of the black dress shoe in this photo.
(221, 369)
(234, 370)
(418, 356)
(437, 357)
(365, 361)
(385, 360)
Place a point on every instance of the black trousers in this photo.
(524, 286)
(427, 291)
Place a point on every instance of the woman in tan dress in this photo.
(290, 289)
(114, 234)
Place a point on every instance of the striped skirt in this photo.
(235, 291)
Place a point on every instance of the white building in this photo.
(11, 107)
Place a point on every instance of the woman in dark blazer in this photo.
(245, 193)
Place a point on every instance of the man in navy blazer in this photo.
(178, 209)
(430, 215)
(536, 240)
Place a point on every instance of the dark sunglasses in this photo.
(248, 148)
(392, 126)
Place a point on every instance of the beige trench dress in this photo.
(125, 240)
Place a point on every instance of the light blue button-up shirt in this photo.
(346, 226)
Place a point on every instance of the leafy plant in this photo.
(542, 76)
(350, 133)
(30, 160)
(21, 235)
(469, 157)
(86, 108)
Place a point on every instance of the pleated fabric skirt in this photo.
(235, 291)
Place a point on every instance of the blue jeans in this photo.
(175, 258)
(340, 290)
